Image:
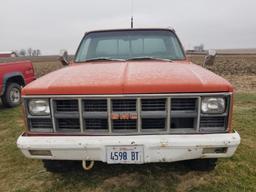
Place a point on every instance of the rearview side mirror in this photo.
(210, 58)
(64, 58)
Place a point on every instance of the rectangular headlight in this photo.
(213, 105)
(39, 107)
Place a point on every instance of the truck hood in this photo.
(135, 77)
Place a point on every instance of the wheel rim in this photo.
(15, 95)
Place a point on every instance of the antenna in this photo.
(132, 14)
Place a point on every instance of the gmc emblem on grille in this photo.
(124, 116)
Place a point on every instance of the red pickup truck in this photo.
(14, 76)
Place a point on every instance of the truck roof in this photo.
(130, 29)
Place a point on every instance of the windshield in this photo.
(129, 45)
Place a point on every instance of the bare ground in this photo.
(239, 70)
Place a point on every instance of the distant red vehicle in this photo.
(14, 76)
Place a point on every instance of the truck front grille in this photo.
(184, 104)
(66, 105)
(213, 123)
(124, 124)
(153, 104)
(41, 123)
(95, 105)
(68, 124)
(153, 123)
(129, 114)
(123, 105)
(96, 124)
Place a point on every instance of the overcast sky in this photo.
(51, 25)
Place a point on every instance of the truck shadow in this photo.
(105, 171)
(1, 106)
(154, 176)
(121, 168)
(146, 177)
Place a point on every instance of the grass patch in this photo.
(235, 174)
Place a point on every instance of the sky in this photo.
(52, 25)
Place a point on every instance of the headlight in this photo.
(213, 105)
(39, 107)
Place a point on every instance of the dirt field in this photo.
(240, 70)
(235, 174)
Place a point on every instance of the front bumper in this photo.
(157, 148)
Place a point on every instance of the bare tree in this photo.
(30, 51)
(22, 52)
(38, 52)
(34, 53)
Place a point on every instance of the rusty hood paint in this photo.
(135, 77)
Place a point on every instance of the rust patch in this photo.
(163, 144)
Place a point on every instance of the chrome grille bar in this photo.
(198, 113)
(139, 114)
(168, 104)
(81, 112)
(53, 114)
(109, 108)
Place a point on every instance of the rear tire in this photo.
(202, 164)
(58, 166)
(12, 95)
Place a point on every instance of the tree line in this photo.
(28, 52)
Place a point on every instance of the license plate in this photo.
(125, 155)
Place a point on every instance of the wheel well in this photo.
(16, 79)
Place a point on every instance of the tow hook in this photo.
(89, 167)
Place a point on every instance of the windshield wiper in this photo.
(151, 58)
(103, 59)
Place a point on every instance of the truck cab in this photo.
(130, 96)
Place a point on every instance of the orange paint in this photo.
(135, 77)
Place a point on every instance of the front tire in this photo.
(12, 95)
(202, 164)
